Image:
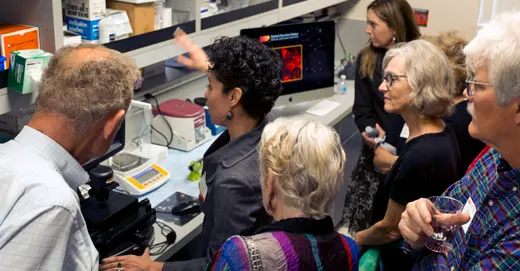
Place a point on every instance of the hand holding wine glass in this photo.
(416, 225)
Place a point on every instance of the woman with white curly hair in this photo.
(301, 169)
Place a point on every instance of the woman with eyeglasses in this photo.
(452, 44)
(419, 86)
(388, 23)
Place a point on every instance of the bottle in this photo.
(158, 18)
(212, 8)
(343, 84)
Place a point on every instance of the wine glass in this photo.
(443, 233)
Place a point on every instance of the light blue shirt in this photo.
(41, 226)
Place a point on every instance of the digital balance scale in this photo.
(135, 167)
(138, 175)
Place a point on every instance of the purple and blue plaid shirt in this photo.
(492, 241)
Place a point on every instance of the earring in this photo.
(393, 39)
(229, 115)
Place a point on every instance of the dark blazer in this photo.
(233, 203)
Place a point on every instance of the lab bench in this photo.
(177, 164)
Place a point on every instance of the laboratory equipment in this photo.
(180, 125)
(307, 54)
(135, 167)
(118, 224)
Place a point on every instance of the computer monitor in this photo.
(307, 54)
(117, 145)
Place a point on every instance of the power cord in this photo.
(168, 142)
(169, 233)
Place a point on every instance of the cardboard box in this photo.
(25, 69)
(141, 15)
(15, 37)
(83, 17)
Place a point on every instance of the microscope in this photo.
(118, 223)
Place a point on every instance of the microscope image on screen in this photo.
(306, 52)
(291, 57)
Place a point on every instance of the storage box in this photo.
(71, 38)
(141, 15)
(83, 17)
(115, 26)
(25, 69)
(17, 37)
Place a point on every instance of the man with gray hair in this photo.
(83, 98)
(489, 236)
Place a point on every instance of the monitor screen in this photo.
(306, 51)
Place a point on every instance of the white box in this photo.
(83, 17)
(71, 38)
(115, 26)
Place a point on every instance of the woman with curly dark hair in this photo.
(243, 85)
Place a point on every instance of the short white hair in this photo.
(497, 47)
(87, 89)
(429, 74)
(307, 160)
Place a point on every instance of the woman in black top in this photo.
(419, 86)
(452, 44)
(388, 22)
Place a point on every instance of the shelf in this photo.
(12, 100)
(235, 15)
(164, 50)
(291, 2)
(45, 14)
(154, 47)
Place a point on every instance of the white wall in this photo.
(444, 15)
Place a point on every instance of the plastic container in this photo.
(3, 59)
(158, 14)
(107, 31)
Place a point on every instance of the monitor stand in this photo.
(293, 109)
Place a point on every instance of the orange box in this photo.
(15, 37)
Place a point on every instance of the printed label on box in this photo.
(86, 9)
(88, 30)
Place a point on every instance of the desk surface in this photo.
(177, 164)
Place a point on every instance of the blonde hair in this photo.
(452, 44)
(429, 74)
(307, 160)
(86, 84)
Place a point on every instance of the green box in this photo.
(25, 69)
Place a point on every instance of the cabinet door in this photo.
(351, 142)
